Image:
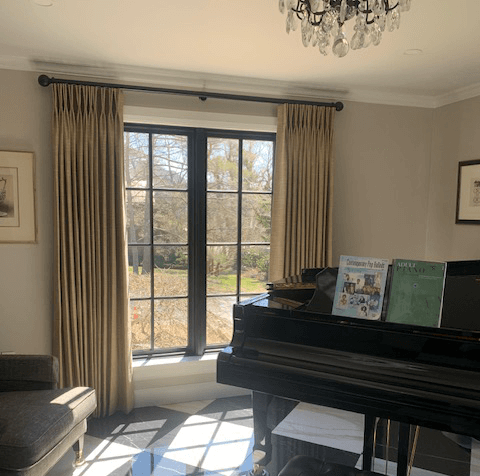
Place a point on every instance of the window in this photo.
(198, 210)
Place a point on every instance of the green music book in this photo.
(416, 292)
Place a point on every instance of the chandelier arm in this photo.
(388, 8)
(368, 12)
(298, 9)
(312, 16)
(316, 22)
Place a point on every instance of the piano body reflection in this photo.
(411, 374)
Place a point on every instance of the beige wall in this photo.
(387, 190)
(456, 138)
(26, 269)
(381, 181)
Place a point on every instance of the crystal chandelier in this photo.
(323, 21)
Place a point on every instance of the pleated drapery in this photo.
(91, 325)
(303, 190)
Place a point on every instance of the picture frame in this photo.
(17, 197)
(468, 192)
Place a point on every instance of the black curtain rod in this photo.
(45, 81)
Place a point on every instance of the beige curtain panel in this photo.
(302, 190)
(91, 324)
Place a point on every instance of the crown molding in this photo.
(199, 81)
(15, 63)
(458, 95)
(389, 98)
(196, 81)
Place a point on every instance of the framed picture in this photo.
(468, 192)
(17, 197)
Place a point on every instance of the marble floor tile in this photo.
(391, 469)
(142, 428)
(189, 407)
(209, 444)
(475, 458)
(324, 426)
(102, 458)
(236, 410)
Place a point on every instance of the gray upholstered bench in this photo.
(38, 422)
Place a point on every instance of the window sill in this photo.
(173, 359)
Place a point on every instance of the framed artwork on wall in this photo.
(17, 197)
(468, 192)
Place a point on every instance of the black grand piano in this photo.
(410, 374)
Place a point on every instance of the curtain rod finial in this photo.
(44, 80)
(338, 106)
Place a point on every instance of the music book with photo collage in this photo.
(360, 287)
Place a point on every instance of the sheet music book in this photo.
(360, 287)
(416, 292)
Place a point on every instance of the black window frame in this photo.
(197, 228)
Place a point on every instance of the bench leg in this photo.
(78, 448)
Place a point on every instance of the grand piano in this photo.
(410, 374)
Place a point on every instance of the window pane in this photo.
(219, 319)
(222, 164)
(170, 161)
(170, 212)
(221, 269)
(139, 283)
(257, 165)
(222, 217)
(138, 216)
(256, 217)
(141, 324)
(255, 264)
(171, 271)
(171, 322)
(136, 159)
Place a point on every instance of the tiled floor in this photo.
(215, 438)
(202, 438)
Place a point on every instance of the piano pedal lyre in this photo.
(258, 468)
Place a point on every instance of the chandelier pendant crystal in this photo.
(323, 21)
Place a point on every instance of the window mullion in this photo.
(152, 253)
(239, 216)
(198, 286)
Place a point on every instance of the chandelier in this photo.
(323, 21)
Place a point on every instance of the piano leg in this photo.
(262, 448)
(268, 412)
(368, 442)
(403, 445)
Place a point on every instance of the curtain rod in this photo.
(45, 81)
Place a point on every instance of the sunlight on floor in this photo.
(217, 447)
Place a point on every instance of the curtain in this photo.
(91, 324)
(302, 190)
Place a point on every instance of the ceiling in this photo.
(242, 46)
